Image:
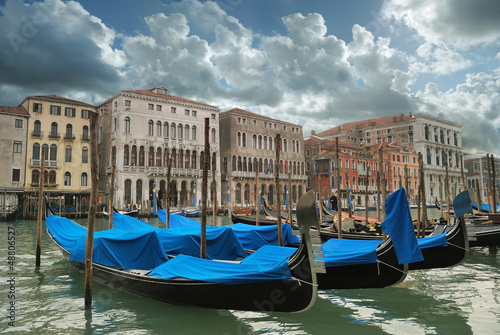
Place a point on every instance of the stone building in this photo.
(140, 131)
(60, 126)
(13, 136)
(248, 144)
(435, 138)
(479, 175)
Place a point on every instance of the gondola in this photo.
(251, 221)
(12, 215)
(132, 212)
(191, 212)
(250, 285)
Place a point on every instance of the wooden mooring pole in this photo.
(204, 182)
(278, 191)
(92, 210)
(40, 212)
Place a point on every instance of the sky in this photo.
(316, 63)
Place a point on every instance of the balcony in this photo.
(48, 164)
(36, 134)
(54, 136)
(85, 138)
(69, 137)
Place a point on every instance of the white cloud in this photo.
(453, 23)
(438, 60)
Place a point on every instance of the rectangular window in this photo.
(70, 112)
(158, 108)
(85, 114)
(193, 113)
(254, 123)
(378, 132)
(389, 131)
(37, 108)
(173, 110)
(186, 112)
(151, 107)
(213, 118)
(18, 145)
(127, 103)
(18, 123)
(16, 175)
(55, 110)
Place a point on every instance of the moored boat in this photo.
(135, 262)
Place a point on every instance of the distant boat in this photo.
(190, 212)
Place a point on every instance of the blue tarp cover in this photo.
(485, 207)
(338, 252)
(398, 225)
(176, 220)
(251, 237)
(136, 249)
(222, 243)
(183, 266)
(433, 241)
(269, 253)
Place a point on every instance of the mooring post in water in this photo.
(337, 178)
(493, 184)
(257, 193)
(169, 171)
(278, 190)
(40, 211)
(111, 197)
(204, 182)
(92, 210)
(214, 188)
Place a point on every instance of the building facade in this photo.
(59, 127)
(140, 132)
(13, 135)
(480, 175)
(247, 145)
(438, 140)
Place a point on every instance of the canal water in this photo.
(464, 299)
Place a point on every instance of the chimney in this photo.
(313, 132)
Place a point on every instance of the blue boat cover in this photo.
(222, 243)
(251, 237)
(183, 266)
(433, 241)
(269, 253)
(176, 220)
(112, 247)
(398, 225)
(339, 252)
(485, 207)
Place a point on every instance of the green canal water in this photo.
(464, 299)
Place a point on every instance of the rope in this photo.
(389, 265)
(457, 246)
(303, 281)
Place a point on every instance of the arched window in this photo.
(127, 125)
(240, 164)
(165, 129)
(172, 130)
(151, 155)
(35, 176)
(158, 157)
(260, 142)
(133, 156)
(238, 139)
(428, 156)
(441, 135)
(244, 140)
(69, 131)
(214, 137)
(233, 164)
(85, 155)
(142, 155)
(193, 133)
(174, 158)
(37, 129)
(85, 133)
(187, 159)
(186, 132)
(427, 133)
(150, 127)
(297, 147)
(67, 154)
(52, 177)
(265, 142)
(158, 128)
(36, 151)
(254, 141)
(244, 164)
(179, 131)
(53, 129)
(67, 179)
(125, 155)
(193, 160)
(84, 179)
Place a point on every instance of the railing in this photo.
(36, 134)
(69, 137)
(54, 136)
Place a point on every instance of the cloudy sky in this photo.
(316, 63)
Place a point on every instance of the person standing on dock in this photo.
(333, 202)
